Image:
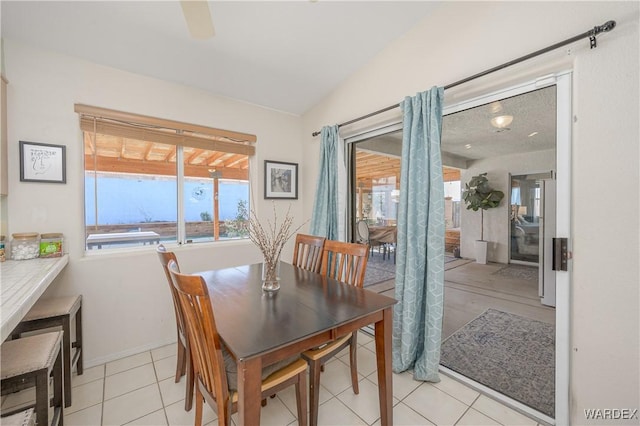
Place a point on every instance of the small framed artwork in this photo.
(42, 162)
(280, 180)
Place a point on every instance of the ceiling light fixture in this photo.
(468, 146)
(501, 121)
(533, 134)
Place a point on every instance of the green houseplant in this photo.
(478, 195)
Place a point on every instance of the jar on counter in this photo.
(25, 246)
(51, 245)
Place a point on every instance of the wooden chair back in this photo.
(206, 347)
(165, 257)
(307, 252)
(346, 262)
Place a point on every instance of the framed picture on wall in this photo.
(280, 180)
(42, 162)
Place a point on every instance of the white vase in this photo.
(271, 276)
(481, 251)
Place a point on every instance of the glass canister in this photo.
(51, 245)
(25, 246)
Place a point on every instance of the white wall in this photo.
(127, 306)
(496, 221)
(461, 39)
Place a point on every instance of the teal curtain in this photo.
(325, 219)
(417, 317)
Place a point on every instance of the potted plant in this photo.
(478, 195)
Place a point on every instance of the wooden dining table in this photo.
(309, 309)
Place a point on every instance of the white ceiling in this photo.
(283, 55)
(469, 135)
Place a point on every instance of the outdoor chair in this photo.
(363, 236)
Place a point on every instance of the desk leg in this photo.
(383, 357)
(249, 395)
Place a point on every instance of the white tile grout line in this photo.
(104, 389)
(155, 372)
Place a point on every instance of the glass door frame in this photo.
(349, 144)
(562, 81)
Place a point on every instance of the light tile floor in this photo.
(140, 390)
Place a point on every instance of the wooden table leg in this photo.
(383, 358)
(249, 395)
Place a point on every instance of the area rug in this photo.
(509, 354)
(379, 270)
(529, 273)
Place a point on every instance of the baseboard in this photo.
(123, 354)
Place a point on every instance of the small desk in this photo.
(308, 310)
(23, 282)
(122, 238)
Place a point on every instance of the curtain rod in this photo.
(606, 27)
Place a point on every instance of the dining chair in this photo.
(307, 252)
(215, 368)
(346, 262)
(184, 364)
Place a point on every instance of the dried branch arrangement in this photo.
(270, 239)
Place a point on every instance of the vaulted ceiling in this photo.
(285, 55)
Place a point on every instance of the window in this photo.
(149, 180)
(452, 196)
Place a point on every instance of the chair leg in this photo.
(199, 402)
(188, 400)
(314, 391)
(79, 348)
(42, 397)
(181, 362)
(66, 356)
(301, 398)
(58, 385)
(353, 358)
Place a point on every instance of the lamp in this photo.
(501, 121)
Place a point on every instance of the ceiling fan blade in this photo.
(198, 17)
